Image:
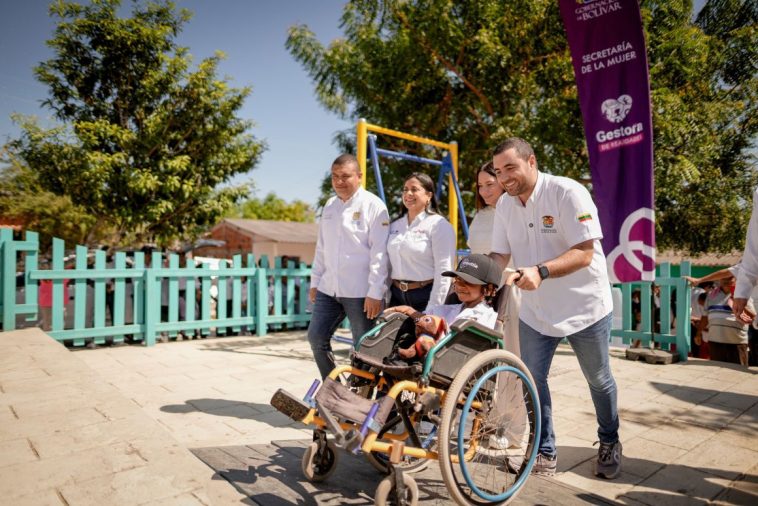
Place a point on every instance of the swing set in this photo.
(448, 166)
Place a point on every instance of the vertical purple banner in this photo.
(610, 64)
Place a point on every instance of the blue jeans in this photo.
(591, 348)
(328, 313)
(417, 299)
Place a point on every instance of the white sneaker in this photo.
(498, 442)
(424, 428)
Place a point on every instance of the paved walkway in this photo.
(67, 437)
(270, 475)
(690, 431)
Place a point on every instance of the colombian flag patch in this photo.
(584, 217)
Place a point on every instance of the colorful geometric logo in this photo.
(634, 257)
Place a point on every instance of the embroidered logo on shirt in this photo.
(584, 217)
(356, 215)
(547, 225)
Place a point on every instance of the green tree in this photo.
(145, 141)
(482, 70)
(272, 207)
(23, 198)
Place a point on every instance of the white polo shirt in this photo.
(558, 215)
(422, 250)
(747, 278)
(481, 313)
(351, 250)
(480, 231)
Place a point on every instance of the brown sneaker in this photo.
(545, 465)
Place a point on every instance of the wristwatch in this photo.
(544, 272)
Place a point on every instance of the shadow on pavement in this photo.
(231, 409)
(720, 365)
(657, 483)
(271, 475)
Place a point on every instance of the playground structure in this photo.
(367, 148)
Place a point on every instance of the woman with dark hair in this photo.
(421, 247)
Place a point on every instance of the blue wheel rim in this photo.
(461, 429)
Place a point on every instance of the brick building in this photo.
(263, 237)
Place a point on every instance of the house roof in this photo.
(276, 231)
(704, 260)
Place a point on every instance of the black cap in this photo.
(478, 270)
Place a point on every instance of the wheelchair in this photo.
(469, 404)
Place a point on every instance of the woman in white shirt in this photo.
(421, 247)
(488, 191)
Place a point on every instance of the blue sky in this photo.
(298, 131)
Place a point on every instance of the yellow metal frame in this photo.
(372, 443)
(363, 129)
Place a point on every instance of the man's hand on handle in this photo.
(528, 278)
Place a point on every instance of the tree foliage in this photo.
(482, 70)
(145, 140)
(272, 207)
(23, 198)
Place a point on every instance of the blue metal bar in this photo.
(312, 390)
(440, 182)
(448, 162)
(344, 340)
(406, 156)
(369, 419)
(375, 162)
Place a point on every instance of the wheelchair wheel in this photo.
(385, 493)
(489, 428)
(319, 463)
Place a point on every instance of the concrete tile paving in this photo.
(689, 430)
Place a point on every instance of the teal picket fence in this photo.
(94, 299)
(671, 329)
(90, 297)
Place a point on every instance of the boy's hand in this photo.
(406, 310)
(407, 353)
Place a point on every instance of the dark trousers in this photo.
(417, 298)
(752, 344)
(729, 352)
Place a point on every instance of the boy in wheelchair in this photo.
(474, 283)
(471, 406)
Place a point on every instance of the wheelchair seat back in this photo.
(379, 344)
(465, 340)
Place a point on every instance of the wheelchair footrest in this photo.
(290, 405)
